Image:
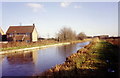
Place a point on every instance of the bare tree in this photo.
(66, 34)
(81, 36)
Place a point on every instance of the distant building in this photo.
(22, 33)
(96, 36)
(89, 37)
(102, 36)
(1, 34)
(4, 37)
(41, 39)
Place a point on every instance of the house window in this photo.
(19, 40)
(11, 34)
(27, 33)
(18, 33)
(27, 41)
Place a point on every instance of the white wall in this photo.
(34, 35)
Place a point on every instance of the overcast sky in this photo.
(93, 18)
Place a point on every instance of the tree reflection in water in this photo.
(66, 50)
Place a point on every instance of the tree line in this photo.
(67, 34)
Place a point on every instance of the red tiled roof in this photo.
(20, 29)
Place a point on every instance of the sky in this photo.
(93, 18)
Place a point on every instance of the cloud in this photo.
(65, 4)
(35, 6)
(76, 6)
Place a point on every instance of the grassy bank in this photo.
(21, 45)
(114, 41)
(99, 59)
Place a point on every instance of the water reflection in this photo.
(1, 60)
(22, 58)
(28, 63)
(66, 50)
(19, 64)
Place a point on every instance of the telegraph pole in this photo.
(20, 24)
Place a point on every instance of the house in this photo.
(102, 36)
(96, 37)
(22, 33)
(89, 37)
(1, 34)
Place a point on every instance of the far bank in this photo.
(18, 47)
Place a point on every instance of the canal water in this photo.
(29, 63)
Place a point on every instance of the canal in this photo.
(29, 63)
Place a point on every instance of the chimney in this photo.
(33, 24)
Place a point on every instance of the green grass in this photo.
(91, 63)
(21, 47)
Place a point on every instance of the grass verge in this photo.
(96, 60)
(21, 45)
